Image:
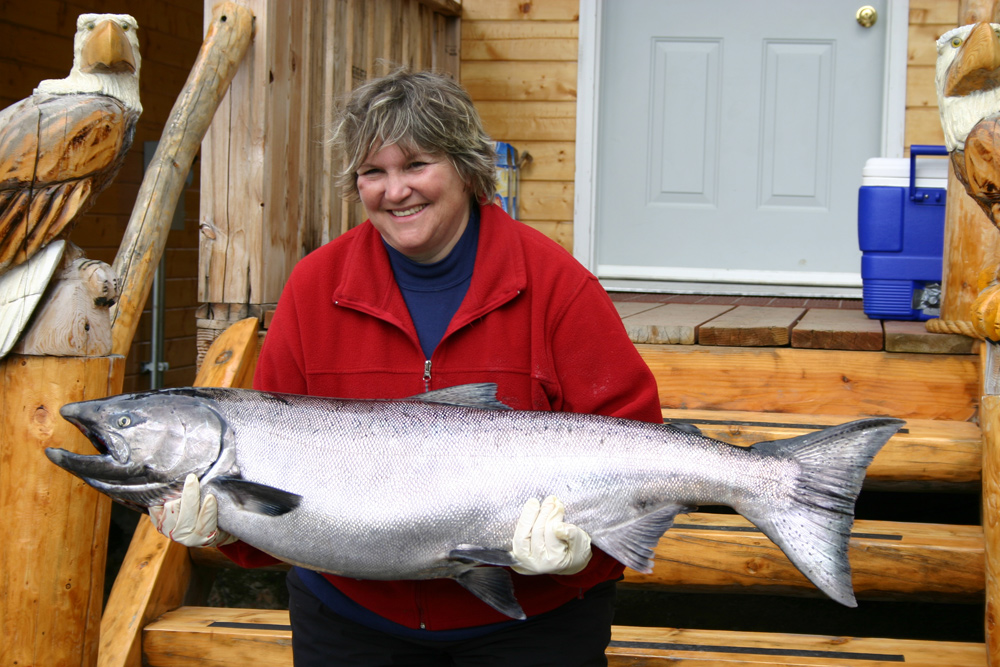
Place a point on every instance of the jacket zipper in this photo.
(427, 375)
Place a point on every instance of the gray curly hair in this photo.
(418, 111)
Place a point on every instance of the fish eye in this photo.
(123, 421)
(956, 42)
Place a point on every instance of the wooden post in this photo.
(228, 38)
(267, 193)
(989, 420)
(156, 571)
(971, 243)
(54, 527)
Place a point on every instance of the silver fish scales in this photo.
(432, 486)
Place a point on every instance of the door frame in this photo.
(587, 105)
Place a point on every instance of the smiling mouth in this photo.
(408, 211)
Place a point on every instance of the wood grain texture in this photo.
(927, 453)
(54, 526)
(751, 326)
(146, 235)
(914, 337)
(829, 329)
(212, 637)
(653, 647)
(156, 571)
(908, 386)
(57, 154)
(673, 323)
(990, 419)
(971, 243)
(725, 552)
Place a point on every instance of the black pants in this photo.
(575, 634)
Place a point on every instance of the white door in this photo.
(731, 136)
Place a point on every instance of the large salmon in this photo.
(432, 486)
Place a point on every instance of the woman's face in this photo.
(417, 202)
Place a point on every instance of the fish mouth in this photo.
(131, 484)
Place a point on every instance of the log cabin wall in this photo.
(517, 59)
(519, 63)
(36, 43)
(929, 19)
(268, 196)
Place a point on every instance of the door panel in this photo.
(731, 138)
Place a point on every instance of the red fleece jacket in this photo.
(534, 321)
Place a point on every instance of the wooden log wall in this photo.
(267, 196)
(36, 43)
(519, 62)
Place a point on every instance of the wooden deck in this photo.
(826, 324)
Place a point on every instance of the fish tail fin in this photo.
(813, 527)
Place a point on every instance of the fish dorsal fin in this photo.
(493, 586)
(633, 544)
(480, 395)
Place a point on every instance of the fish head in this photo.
(148, 444)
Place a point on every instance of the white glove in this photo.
(545, 544)
(189, 520)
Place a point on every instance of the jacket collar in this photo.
(500, 274)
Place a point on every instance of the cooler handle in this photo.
(921, 149)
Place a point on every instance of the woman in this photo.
(439, 287)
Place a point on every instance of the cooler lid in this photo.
(931, 172)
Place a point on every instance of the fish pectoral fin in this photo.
(493, 586)
(482, 395)
(257, 498)
(470, 553)
(632, 544)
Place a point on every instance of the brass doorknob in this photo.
(867, 16)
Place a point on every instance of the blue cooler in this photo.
(901, 234)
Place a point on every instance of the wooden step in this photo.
(803, 381)
(216, 637)
(725, 553)
(926, 454)
(668, 646)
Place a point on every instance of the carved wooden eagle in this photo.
(60, 147)
(967, 78)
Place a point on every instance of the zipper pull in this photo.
(427, 375)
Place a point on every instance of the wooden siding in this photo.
(929, 19)
(519, 63)
(269, 197)
(38, 44)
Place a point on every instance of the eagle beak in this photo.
(107, 50)
(977, 66)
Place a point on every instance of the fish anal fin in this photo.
(632, 544)
(471, 553)
(257, 498)
(493, 586)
